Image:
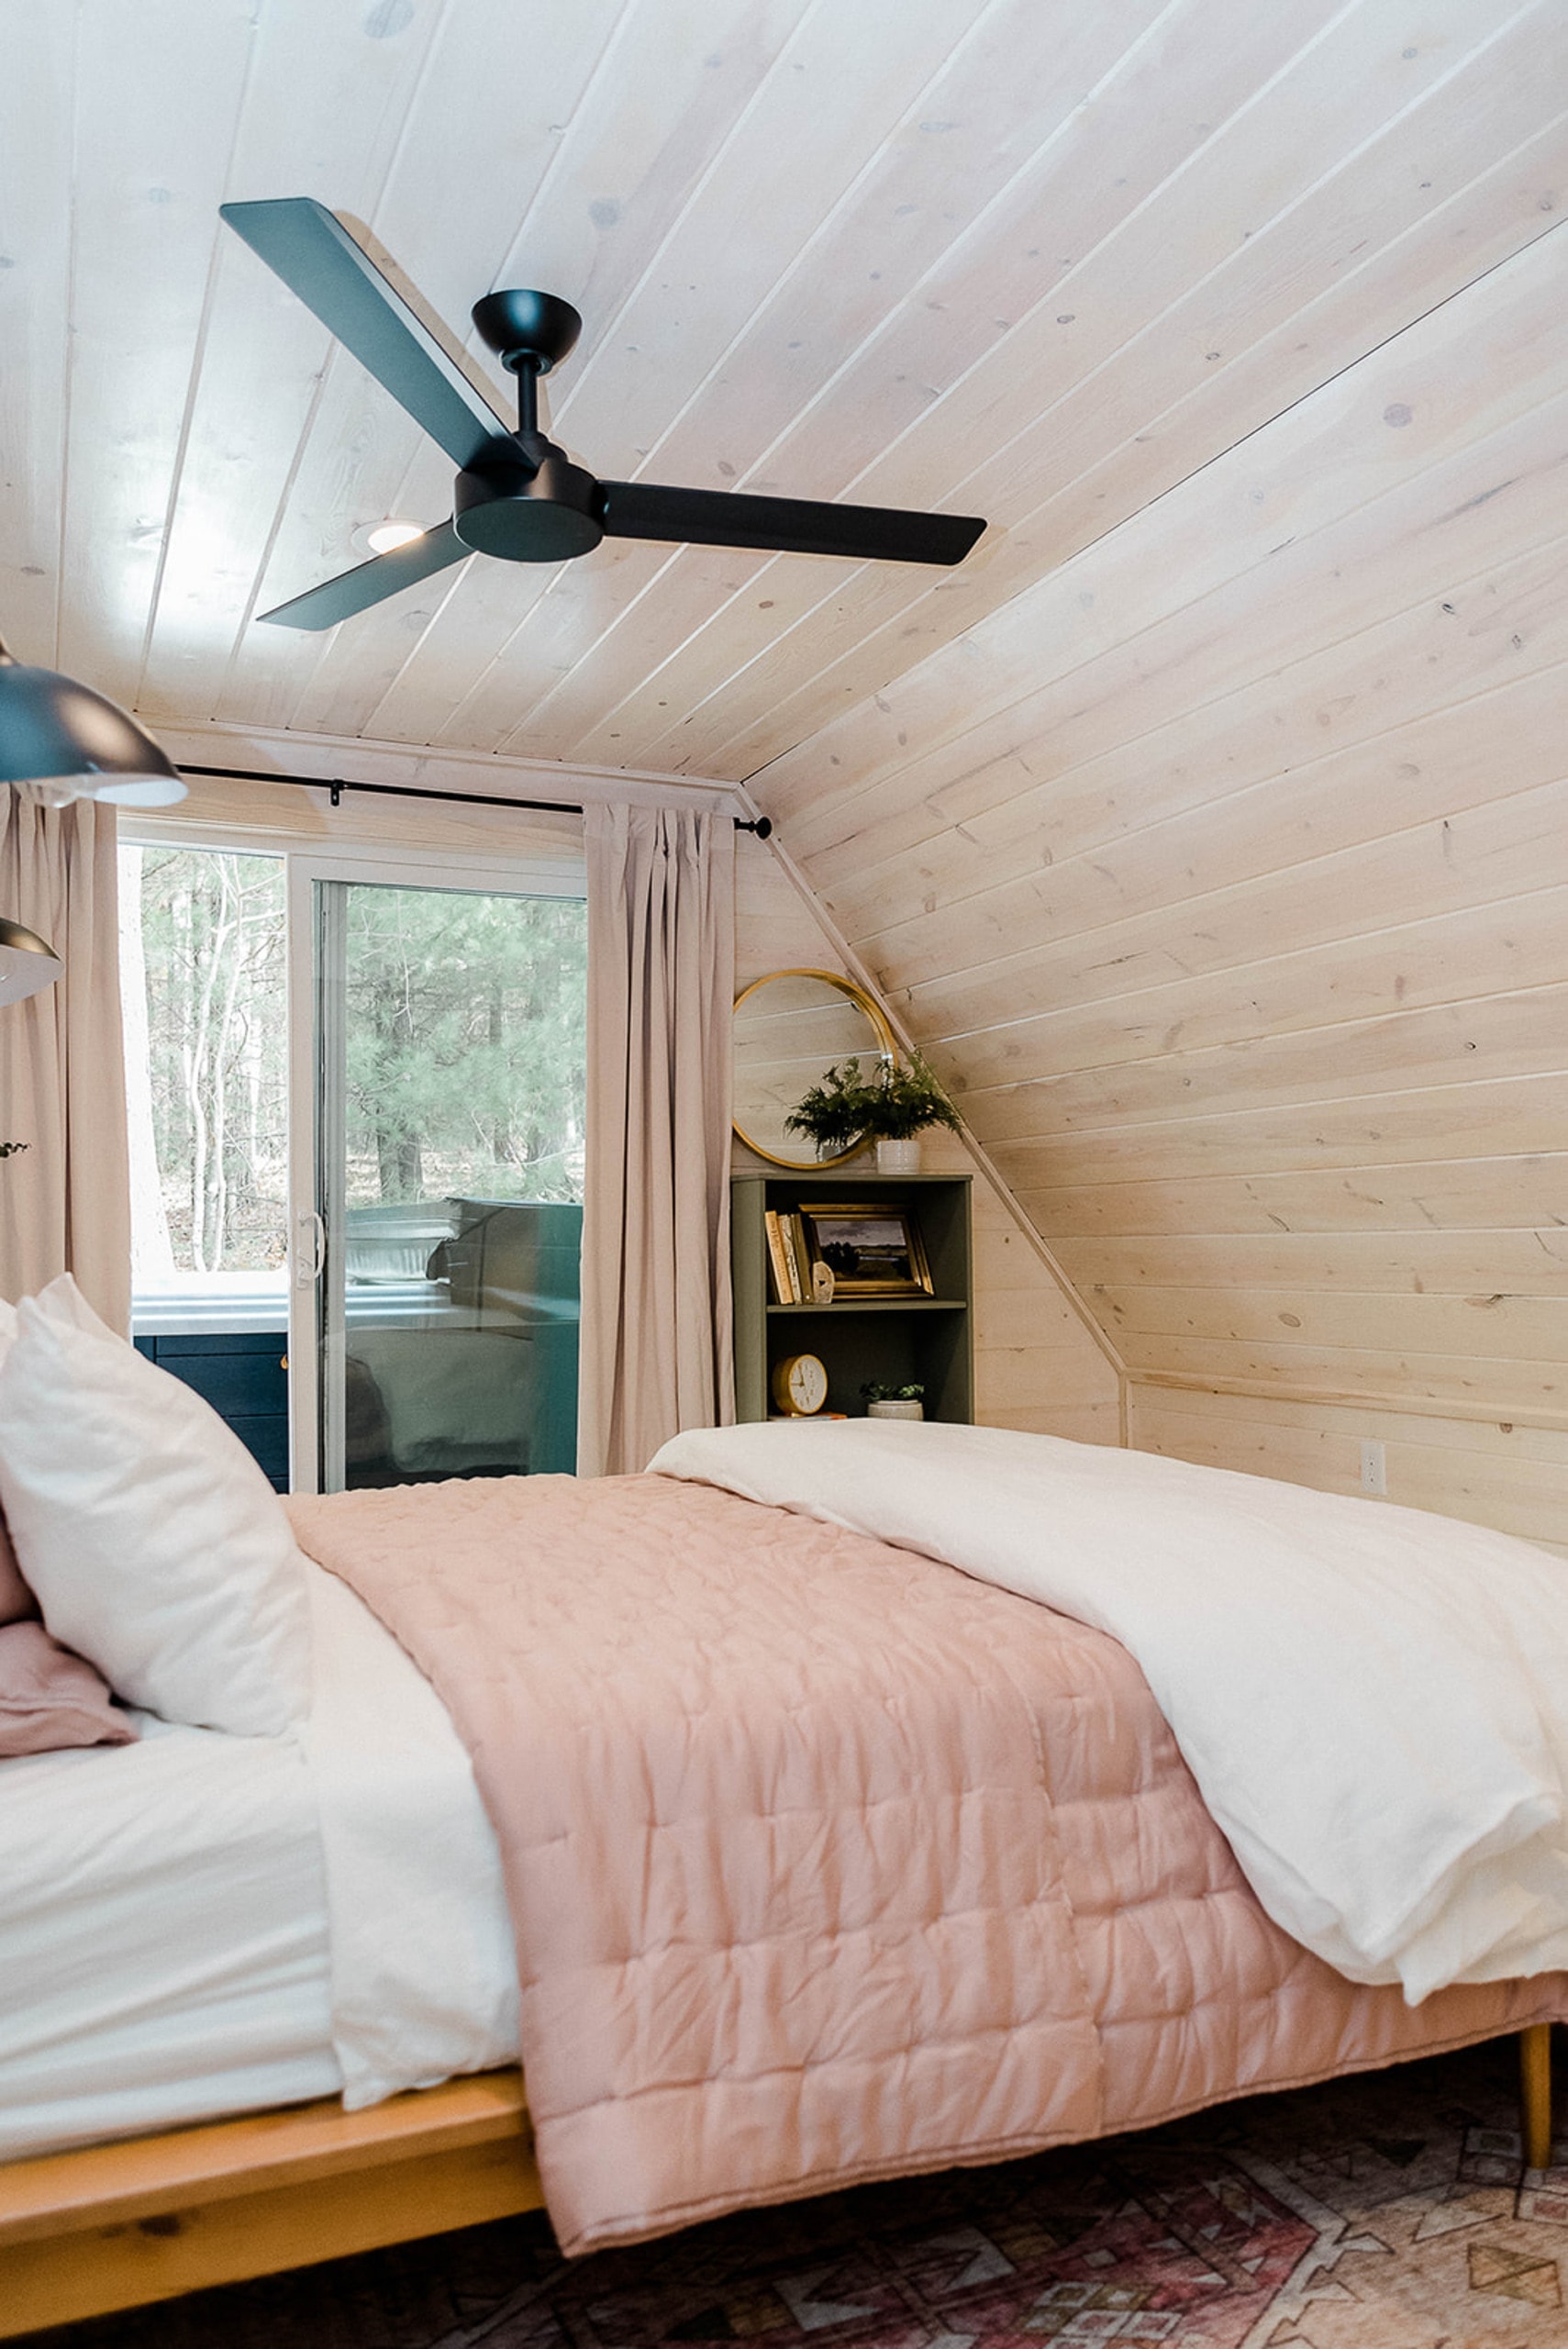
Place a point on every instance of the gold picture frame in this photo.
(872, 1247)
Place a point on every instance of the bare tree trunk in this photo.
(228, 961)
(152, 1250)
(399, 1156)
(503, 1149)
(203, 1081)
(194, 1060)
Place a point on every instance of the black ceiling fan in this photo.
(518, 495)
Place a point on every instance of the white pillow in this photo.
(155, 1546)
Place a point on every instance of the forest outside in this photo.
(464, 1026)
(203, 983)
(465, 1037)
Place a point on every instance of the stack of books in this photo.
(789, 1259)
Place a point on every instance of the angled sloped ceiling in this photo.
(1224, 875)
(1035, 260)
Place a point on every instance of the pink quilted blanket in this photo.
(827, 1863)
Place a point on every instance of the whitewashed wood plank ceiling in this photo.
(1035, 259)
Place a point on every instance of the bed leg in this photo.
(1535, 2094)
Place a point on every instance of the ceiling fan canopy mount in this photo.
(518, 495)
(527, 329)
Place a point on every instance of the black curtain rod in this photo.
(761, 825)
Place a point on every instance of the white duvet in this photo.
(1373, 1700)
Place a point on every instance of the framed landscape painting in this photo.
(872, 1250)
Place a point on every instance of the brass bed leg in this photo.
(1535, 2094)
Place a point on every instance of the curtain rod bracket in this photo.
(335, 787)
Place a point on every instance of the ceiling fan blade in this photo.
(371, 582)
(314, 254)
(721, 517)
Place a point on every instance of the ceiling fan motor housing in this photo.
(527, 516)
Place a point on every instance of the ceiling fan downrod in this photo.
(525, 500)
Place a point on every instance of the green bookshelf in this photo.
(857, 1338)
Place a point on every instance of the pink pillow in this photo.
(48, 1697)
(17, 1601)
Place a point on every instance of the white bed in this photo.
(214, 1923)
(200, 1924)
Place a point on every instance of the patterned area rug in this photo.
(1390, 2212)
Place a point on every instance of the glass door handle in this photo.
(309, 1248)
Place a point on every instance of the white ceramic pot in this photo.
(899, 1157)
(895, 1409)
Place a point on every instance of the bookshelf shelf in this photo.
(858, 1339)
(843, 1306)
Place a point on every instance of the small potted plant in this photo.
(892, 1109)
(884, 1402)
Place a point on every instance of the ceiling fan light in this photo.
(28, 963)
(136, 790)
(379, 538)
(55, 733)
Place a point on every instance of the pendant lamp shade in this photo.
(28, 964)
(55, 733)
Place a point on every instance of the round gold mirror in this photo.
(790, 1028)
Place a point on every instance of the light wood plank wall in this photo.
(1493, 1472)
(1037, 1363)
(1224, 876)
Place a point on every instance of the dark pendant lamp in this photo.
(28, 964)
(53, 731)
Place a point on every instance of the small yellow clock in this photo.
(800, 1385)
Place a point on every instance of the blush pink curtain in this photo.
(656, 1346)
(64, 1200)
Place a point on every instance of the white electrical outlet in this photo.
(1375, 1467)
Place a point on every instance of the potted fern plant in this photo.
(833, 1114)
(846, 1110)
(907, 1099)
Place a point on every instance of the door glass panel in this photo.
(449, 1179)
(203, 950)
(201, 955)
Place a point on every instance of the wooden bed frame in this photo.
(145, 2219)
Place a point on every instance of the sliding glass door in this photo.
(356, 1099)
(436, 1257)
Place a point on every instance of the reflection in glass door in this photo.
(448, 1145)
